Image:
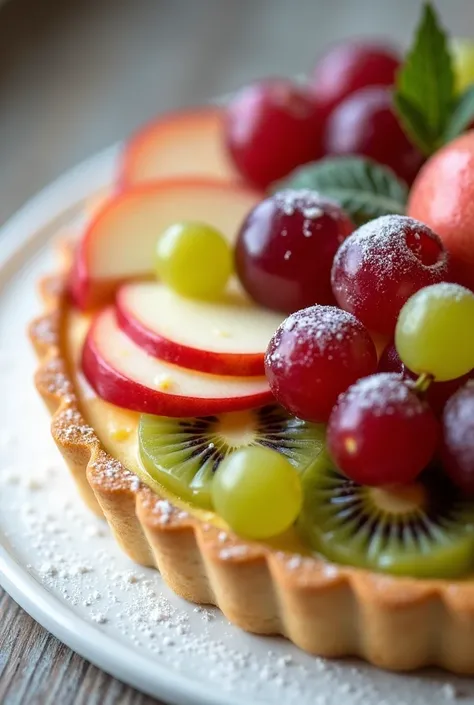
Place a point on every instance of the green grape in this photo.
(257, 492)
(194, 259)
(462, 51)
(435, 332)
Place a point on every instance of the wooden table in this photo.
(77, 76)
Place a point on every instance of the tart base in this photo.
(327, 610)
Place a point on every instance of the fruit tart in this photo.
(259, 368)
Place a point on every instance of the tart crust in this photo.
(327, 610)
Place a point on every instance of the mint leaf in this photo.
(424, 95)
(364, 188)
(414, 124)
(462, 116)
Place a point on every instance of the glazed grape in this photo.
(314, 356)
(194, 259)
(458, 438)
(435, 332)
(271, 128)
(257, 492)
(348, 66)
(437, 394)
(286, 247)
(382, 264)
(381, 432)
(365, 123)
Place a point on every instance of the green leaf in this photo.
(424, 94)
(363, 188)
(413, 122)
(462, 116)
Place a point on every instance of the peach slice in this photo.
(227, 337)
(120, 241)
(187, 143)
(123, 374)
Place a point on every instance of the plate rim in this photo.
(144, 673)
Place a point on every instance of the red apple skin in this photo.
(159, 129)
(244, 365)
(88, 292)
(114, 387)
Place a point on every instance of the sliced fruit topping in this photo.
(382, 264)
(257, 492)
(183, 454)
(194, 259)
(123, 374)
(188, 143)
(349, 66)
(421, 530)
(434, 334)
(121, 241)
(229, 337)
(272, 127)
(458, 438)
(286, 247)
(314, 356)
(380, 432)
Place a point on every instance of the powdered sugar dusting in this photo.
(45, 329)
(233, 552)
(54, 379)
(383, 241)
(384, 394)
(381, 248)
(310, 203)
(317, 330)
(70, 427)
(311, 206)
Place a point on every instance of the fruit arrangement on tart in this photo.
(259, 354)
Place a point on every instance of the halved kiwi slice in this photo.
(183, 454)
(421, 530)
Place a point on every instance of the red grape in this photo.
(348, 66)
(271, 128)
(314, 356)
(390, 360)
(458, 438)
(382, 264)
(365, 123)
(437, 393)
(286, 247)
(381, 432)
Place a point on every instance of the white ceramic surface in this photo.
(62, 566)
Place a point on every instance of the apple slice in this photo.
(124, 375)
(120, 241)
(187, 143)
(228, 337)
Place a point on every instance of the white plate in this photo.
(62, 566)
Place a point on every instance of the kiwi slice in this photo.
(420, 530)
(184, 453)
